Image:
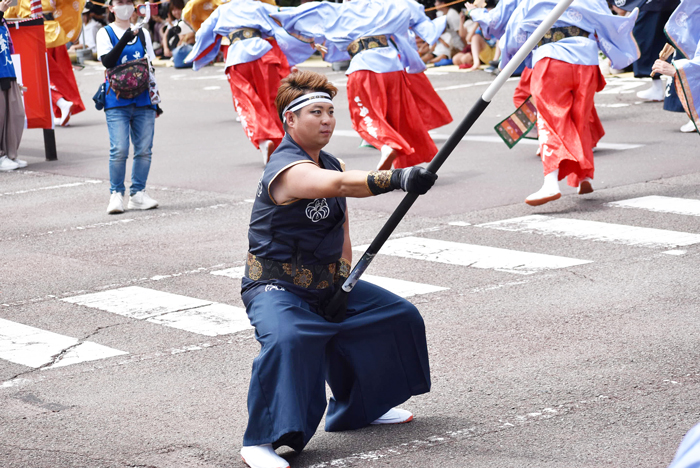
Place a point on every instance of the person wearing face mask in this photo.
(117, 43)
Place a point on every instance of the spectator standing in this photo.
(11, 108)
(119, 43)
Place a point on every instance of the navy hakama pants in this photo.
(373, 361)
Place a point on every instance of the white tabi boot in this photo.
(585, 186)
(394, 416)
(687, 128)
(65, 107)
(655, 93)
(262, 456)
(266, 150)
(387, 159)
(549, 191)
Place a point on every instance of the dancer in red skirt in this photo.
(392, 104)
(256, 61)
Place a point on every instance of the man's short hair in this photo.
(299, 83)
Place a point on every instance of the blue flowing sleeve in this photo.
(428, 30)
(207, 43)
(493, 22)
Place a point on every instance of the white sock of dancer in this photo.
(266, 150)
(585, 186)
(548, 192)
(387, 158)
(262, 456)
(65, 107)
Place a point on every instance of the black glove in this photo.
(413, 180)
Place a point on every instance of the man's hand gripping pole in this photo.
(336, 308)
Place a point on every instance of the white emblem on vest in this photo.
(318, 210)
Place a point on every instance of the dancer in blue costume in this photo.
(260, 55)
(683, 30)
(299, 254)
(374, 36)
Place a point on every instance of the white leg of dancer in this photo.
(387, 159)
(394, 416)
(655, 93)
(266, 150)
(65, 107)
(548, 192)
(262, 456)
(689, 127)
(585, 186)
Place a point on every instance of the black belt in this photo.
(367, 42)
(304, 276)
(243, 34)
(557, 34)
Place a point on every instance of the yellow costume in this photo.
(197, 11)
(65, 25)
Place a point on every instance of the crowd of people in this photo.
(300, 252)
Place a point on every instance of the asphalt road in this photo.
(566, 339)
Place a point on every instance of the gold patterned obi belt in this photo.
(243, 34)
(304, 276)
(557, 34)
(367, 42)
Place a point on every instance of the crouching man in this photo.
(299, 254)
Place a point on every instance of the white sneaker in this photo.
(141, 201)
(262, 456)
(116, 203)
(20, 163)
(687, 128)
(394, 416)
(65, 107)
(7, 164)
(655, 93)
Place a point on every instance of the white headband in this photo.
(305, 100)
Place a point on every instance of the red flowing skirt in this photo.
(384, 111)
(522, 91)
(432, 109)
(254, 88)
(62, 80)
(567, 123)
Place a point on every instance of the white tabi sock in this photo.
(388, 155)
(655, 93)
(689, 127)
(266, 150)
(262, 456)
(585, 186)
(548, 192)
(394, 416)
(65, 107)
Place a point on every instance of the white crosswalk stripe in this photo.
(34, 347)
(475, 256)
(173, 310)
(596, 231)
(399, 287)
(682, 206)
